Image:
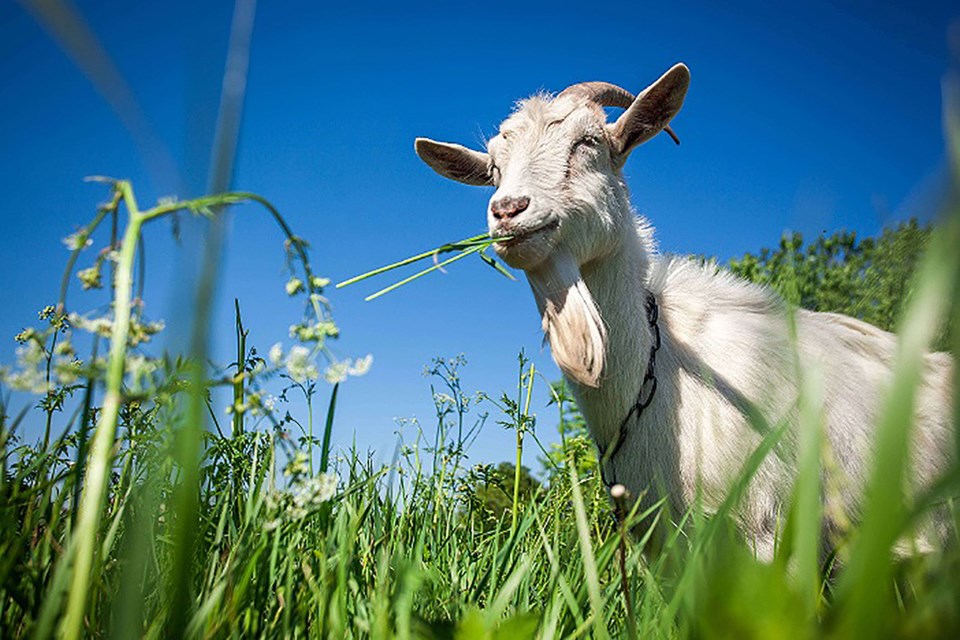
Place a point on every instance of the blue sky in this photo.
(805, 116)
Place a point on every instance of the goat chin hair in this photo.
(571, 319)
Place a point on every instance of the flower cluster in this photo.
(78, 240)
(314, 331)
(300, 365)
(138, 332)
(338, 371)
(304, 495)
(257, 403)
(34, 357)
(90, 277)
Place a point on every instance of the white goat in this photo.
(665, 355)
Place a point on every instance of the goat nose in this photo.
(509, 207)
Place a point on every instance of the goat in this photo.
(665, 355)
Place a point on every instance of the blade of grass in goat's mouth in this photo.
(474, 245)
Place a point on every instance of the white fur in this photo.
(726, 343)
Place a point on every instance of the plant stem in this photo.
(98, 465)
(482, 239)
(439, 265)
(521, 426)
(238, 381)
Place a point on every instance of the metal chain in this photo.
(643, 398)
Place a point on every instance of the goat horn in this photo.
(606, 94)
(603, 93)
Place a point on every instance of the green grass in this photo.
(111, 526)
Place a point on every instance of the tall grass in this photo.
(127, 519)
(349, 548)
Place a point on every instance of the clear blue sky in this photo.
(806, 116)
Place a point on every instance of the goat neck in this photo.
(596, 322)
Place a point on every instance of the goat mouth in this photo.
(520, 236)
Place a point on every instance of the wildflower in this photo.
(337, 372)
(77, 241)
(276, 355)
(440, 399)
(316, 332)
(63, 348)
(294, 286)
(90, 278)
(31, 374)
(143, 331)
(299, 366)
(68, 371)
(100, 326)
(318, 282)
(315, 491)
(26, 335)
(139, 367)
(361, 365)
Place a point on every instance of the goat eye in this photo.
(585, 142)
(589, 143)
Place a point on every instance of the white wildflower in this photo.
(139, 367)
(64, 348)
(314, 491)
(276, 355)
(90, 278)
(31, 374)
(361, 365)
(100, 326)
(337, 372)
(294, 286)
(316, 332)
(67, 371)
(299, 366)
(78, 240)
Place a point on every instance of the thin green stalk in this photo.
(91, 502)
(309, 395)
(521, 427)
(238, 381)
(328, 430)
(453, 246)
(586, 551)
(419, 274)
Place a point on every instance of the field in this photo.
(133, 503)
(130, 518)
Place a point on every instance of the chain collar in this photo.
(647, 389)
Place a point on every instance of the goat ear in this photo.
(651, 111)
(455, 162)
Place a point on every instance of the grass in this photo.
(136, 513)
(92, 519)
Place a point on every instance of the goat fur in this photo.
(726, 348)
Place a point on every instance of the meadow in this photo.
(134, 503)
(142, 511)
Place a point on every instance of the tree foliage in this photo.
(489, 490)
(869, 278)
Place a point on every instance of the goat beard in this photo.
(571, 319)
